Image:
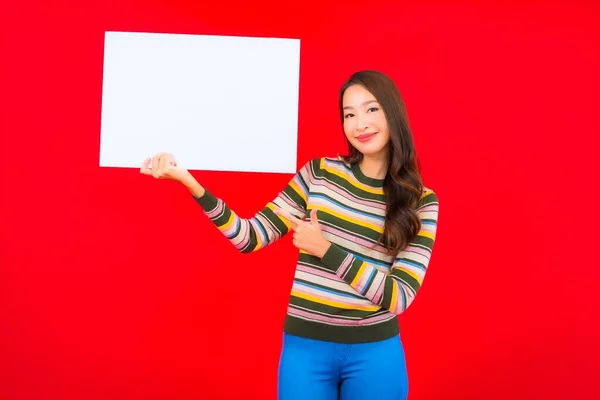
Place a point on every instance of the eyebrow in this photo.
(365, 103)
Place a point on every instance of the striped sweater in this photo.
(355, 292)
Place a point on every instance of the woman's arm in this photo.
(246, 234)
(264, 228)
(397, 289)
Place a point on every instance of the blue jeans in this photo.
(317, 370)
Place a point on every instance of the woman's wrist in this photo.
(325, 245)
(193, 186)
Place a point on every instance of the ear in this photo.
(313, 217)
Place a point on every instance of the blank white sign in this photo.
(217, 103)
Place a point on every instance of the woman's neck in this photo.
(374, 166)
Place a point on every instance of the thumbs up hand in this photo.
(307, 235)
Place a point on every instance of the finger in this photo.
(155, 166)
(145, 169)
(164, 162)
(288, 217)
(171, 160)
(313, 217)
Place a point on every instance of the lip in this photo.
(365, 137)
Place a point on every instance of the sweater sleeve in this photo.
(265, 227)
(395, 290)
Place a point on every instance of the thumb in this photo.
(313, 217)
(145, 168)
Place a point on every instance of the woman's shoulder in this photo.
(428, 197)
(324, 162)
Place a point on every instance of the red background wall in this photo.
(114, 285)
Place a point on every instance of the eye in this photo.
(348, 115)
(373, 109)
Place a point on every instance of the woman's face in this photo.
(365, 124)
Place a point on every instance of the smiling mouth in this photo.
(365, 137)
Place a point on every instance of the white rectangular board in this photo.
(220, 103)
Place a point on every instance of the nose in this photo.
(362, 123)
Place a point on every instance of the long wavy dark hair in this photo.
(402, 185)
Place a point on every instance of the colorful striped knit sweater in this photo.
(353, 293)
